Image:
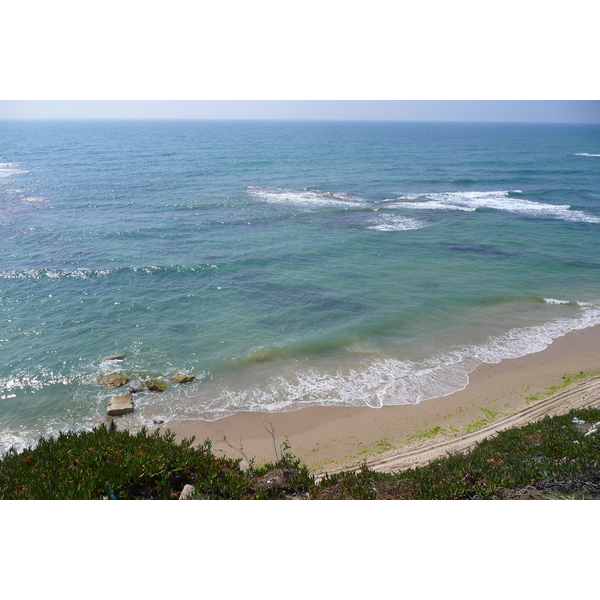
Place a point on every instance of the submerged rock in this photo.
(156, 385)
(120, 405)
(182, 378)
(114, 357)
(114, 380)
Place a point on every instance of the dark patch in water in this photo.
(277, 296)
(182, 328)
(479, 249)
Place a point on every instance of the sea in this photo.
(284, 264)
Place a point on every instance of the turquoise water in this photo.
(284, 264)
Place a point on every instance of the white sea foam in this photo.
(497, 200)
(54, 273)
(395, 223)
(9, 169)
(584, 154)
(555, 301)
(303, 197)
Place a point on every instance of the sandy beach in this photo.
(498, 396)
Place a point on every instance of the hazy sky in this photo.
(551, 111)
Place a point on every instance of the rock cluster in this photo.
(123, 405)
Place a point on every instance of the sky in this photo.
(550, 111)
(321, 59)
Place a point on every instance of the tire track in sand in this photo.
(582, 395)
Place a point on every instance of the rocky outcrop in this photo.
(182, 378)
(114, 357)
(120, 405)
(114, 380)
(156, 385)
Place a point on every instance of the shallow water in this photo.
(283, 263)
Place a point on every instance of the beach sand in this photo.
(328, 439)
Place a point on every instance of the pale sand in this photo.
(330, 438)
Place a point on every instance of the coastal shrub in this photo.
(552, 456)
(117, 465)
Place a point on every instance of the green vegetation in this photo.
(489, 417)
(567, 380)
(379, 448)
(118, 465)
(552, 456)
(552, 459)
(423, 434)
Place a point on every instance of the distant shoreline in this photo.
(329, 439)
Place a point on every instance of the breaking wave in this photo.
(304, 197)
(499, 200)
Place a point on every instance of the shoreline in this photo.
(332, 438)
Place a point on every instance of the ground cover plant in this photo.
(556, 457)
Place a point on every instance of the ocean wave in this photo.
(584, 154)
(497, 200)
(555, 301)
(303, 196)
(395, 223)
(9, 169)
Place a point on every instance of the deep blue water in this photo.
(283, 264)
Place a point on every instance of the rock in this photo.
(113, 380)
(120, 405)
(156, 385)
(114, 357)
(182, 378)
(187, 492)
(105, 421)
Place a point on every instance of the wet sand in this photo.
(330, 438)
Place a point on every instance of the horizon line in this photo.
(297, 119)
